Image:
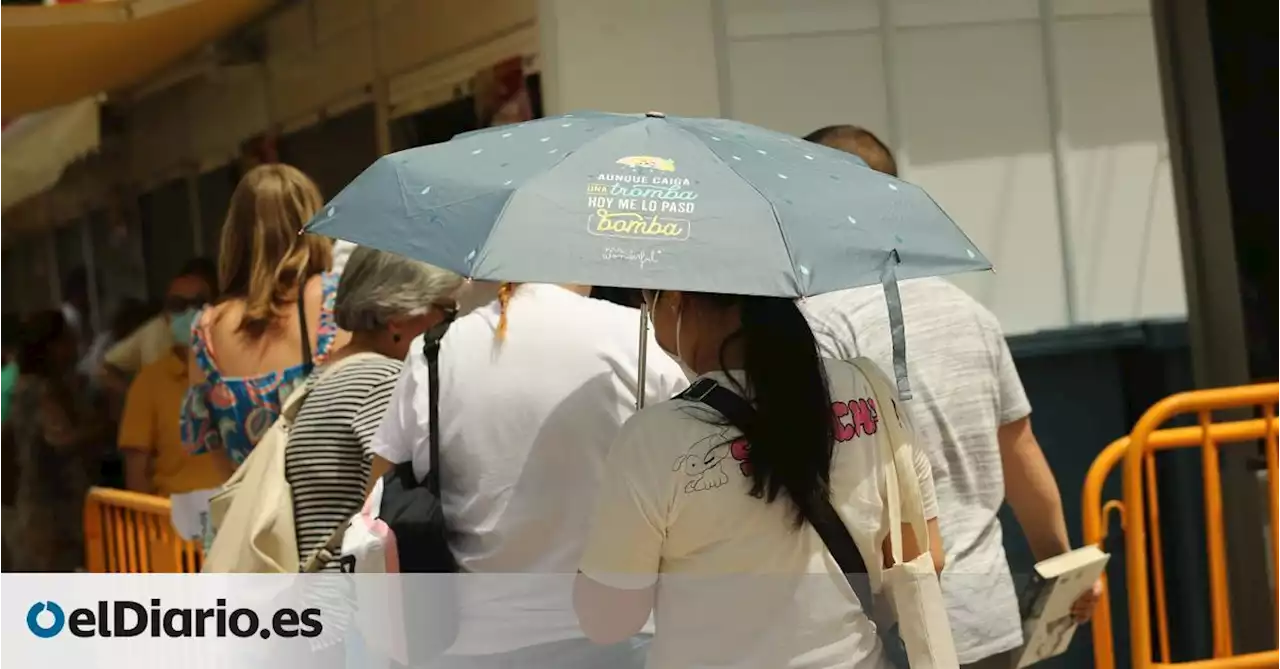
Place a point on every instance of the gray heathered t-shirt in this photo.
(964, 387)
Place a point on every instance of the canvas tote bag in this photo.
(912, 587)
(252, 515)
(908, 609)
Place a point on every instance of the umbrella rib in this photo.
(404, 195)
(483, 252)
(786, 245)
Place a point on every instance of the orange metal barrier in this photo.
(1139, 514)
(130, 533)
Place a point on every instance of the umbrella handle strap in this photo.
(897, 330)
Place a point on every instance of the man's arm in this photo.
(137, 475)
(1029, 485)
(137, 438)
(1031, 490)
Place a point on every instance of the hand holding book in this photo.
(1082, 609)
(1061, 596)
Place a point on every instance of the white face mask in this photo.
(678, 357)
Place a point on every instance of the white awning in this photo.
(38, 147)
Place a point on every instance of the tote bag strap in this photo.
(902, 489)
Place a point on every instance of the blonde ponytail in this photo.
(505, 291)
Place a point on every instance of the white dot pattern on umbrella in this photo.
(786, 153)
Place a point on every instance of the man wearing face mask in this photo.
(150, 439)
(151, 341)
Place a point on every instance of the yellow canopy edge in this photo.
(55, 55)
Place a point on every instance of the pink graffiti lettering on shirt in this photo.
(740, 449)
(855, 418)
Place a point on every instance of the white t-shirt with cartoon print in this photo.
(741, 585)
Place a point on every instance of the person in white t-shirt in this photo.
(533, 389)
(719, 514)
(974, 421)
(342, 250)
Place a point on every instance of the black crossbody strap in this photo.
(431, 349)
(823, 517)
(307, 362)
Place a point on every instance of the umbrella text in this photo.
(637, 226)
(641, 258)
(654, 192)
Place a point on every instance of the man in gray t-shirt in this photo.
(972, 415)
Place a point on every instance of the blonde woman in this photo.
(274, 321)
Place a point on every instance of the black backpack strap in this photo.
(823, 516)
(431, 349)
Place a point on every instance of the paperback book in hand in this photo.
(1047, 625)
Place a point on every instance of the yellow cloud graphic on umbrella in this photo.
(650, 162)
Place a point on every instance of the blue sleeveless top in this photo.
(233, 413)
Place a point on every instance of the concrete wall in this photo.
(1042, 135)
(1036, 135)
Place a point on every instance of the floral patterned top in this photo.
(233, 413)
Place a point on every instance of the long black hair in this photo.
(792, 433)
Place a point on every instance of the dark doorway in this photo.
(335, 150)
(167, 238)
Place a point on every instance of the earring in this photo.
(395, 338)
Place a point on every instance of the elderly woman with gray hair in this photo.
(384, 301)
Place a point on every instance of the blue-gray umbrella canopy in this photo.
(647, 201)
(651, 201)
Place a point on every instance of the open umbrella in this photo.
(651, 201)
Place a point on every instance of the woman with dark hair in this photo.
(687, 492)
(54, 440)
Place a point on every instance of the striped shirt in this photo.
(327, 461)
